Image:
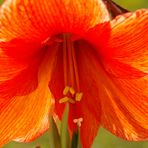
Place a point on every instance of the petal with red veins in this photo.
(125, 107)
(128, 40)
(124, 94)
(26, 102)
(40, 19)
(25, 117)
(124, 100)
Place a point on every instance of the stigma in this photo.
(78, 121)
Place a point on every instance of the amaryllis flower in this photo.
(54, 52)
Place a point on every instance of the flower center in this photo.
(71, 92)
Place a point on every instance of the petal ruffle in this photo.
(40, 19)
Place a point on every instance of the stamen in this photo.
(72, 91)
(66, 99)
(66, 90)
(71, 77)
(63, 100)
(70, 61)
(78, 96)
(78, 121)
(75, 68)
(65, 61)
(74, 96)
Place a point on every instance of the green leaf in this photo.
(54, 135)
(65, 138)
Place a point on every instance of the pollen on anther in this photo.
(79, 96)
(66, 90)
(63, 100)
(72, 91)
(66, 99)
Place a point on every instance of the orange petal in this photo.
(20, 49)
(89, 127)
(124, 102)
(16, 72)
(16, 57)
(121, 70)
(124, 95)
(9, 67)
(24, 110)
(125, 108)
(25, 117)
(128, 40)
(41, 19)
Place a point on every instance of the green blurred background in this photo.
(104, 138)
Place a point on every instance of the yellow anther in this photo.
(63, 100)
(69, 94)
(66, 99)
(78, 121)
(72, 91)
(78, 96)
(66, 90)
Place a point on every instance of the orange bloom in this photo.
(69, 51)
